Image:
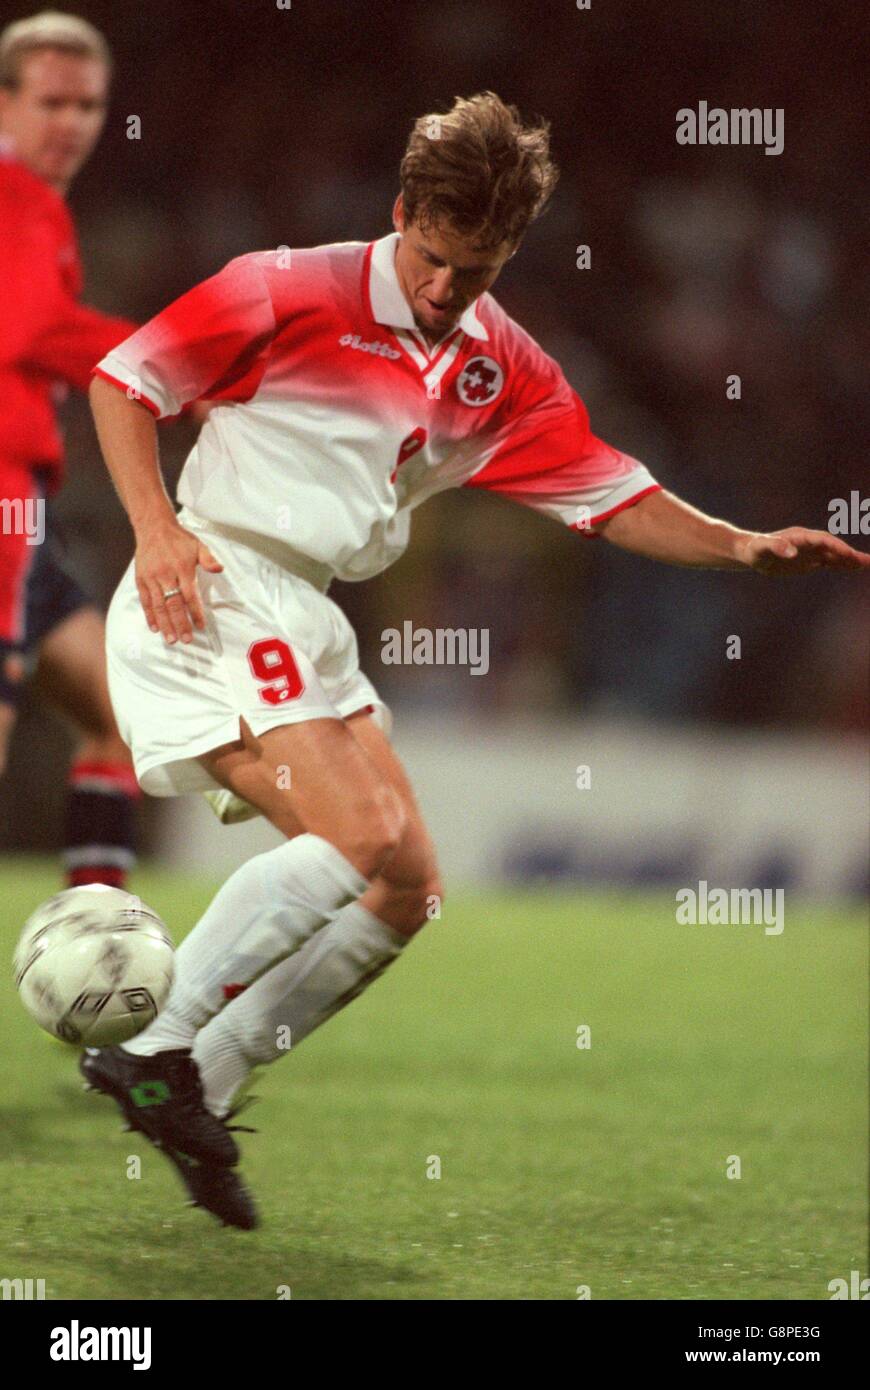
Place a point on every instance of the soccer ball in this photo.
(94, 965)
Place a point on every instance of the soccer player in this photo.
(54, 76)
(350, 383)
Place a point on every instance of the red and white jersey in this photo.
(334, 418)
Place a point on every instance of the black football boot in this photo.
(217, 1189)
(162, 1097)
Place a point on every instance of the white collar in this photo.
(389, 305)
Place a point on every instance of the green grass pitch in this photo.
(560, 1166)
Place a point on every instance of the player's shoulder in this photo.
(337, 255)
(509, 337)
(291, 275)
(526, 365)
(30, 196)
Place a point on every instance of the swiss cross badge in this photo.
(480, 381)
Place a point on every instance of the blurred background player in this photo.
(54, 80)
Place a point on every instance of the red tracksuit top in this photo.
(48, 341)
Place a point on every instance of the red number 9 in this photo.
(272, 661)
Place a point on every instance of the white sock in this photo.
(265, 911)
(291, 1000)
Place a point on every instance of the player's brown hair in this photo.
(478, 168)
(50, 29)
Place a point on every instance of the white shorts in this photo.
(276, 650)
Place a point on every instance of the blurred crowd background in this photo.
(264, 126)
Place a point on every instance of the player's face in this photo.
(56, 113)
(441, 273)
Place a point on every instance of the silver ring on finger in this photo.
(170, 593)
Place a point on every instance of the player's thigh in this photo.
(71, 671)
(315, 776)
(415, 862)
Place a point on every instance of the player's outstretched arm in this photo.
(663, 527)
(167, 556)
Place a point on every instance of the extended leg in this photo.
(351, 824)
(346, 823)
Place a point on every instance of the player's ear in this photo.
(399, 214)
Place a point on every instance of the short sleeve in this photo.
(213, 342)
(545, 455)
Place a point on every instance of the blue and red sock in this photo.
(100, 834)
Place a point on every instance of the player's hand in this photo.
(167, 557)
(797, 551)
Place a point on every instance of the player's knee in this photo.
(410, 906)
(377, 831)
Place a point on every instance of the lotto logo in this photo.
(353, 340)
(480, 381)
(149, 1093)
